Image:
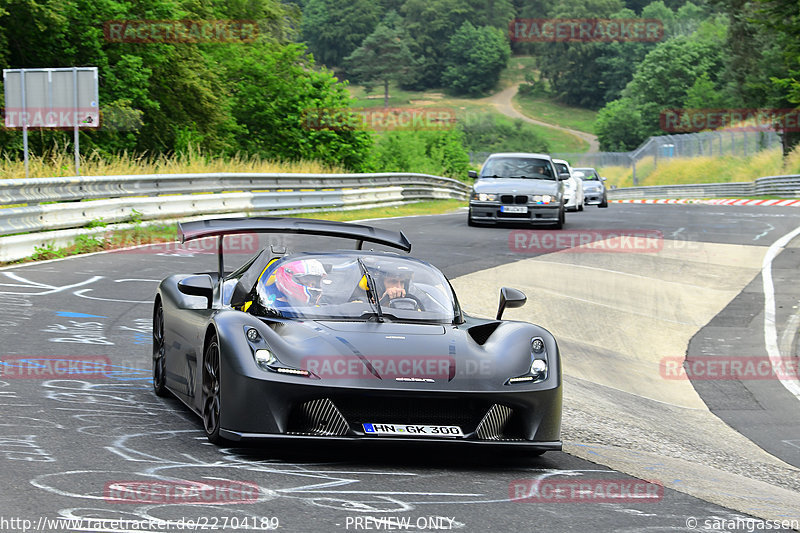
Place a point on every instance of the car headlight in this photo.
(264, 358)
(484, 197)
(538, 369)
(537, 346)
(253, 335)
(543, 199)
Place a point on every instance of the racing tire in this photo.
(604, 203)
(159, 353)
(212, 405)
(561, 219)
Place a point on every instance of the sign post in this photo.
(62, 98)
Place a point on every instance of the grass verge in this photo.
(139, 234)
(552, 112)
(60, 163)
(723, 169)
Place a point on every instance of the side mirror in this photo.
(199, 285)
(603, 179)
(563, 176)
(510, 298)
(472, 174)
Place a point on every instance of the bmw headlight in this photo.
(542, 199)
(484, 197)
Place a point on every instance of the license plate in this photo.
(514, 209)
(413, 430)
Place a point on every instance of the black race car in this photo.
(349, 345)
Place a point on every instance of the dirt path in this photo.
(503, 101)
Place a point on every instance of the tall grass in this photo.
(721, 169)
(60, 163)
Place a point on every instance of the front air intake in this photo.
(317, 417)
(493, 424)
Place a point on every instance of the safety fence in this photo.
(663, 148)
(784, 186)
(32, 209)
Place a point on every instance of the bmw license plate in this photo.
(413, 430)
(514, 208)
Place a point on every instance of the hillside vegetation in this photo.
(268, 96)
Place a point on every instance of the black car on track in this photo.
(349, 345)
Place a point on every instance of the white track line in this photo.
(770, 330)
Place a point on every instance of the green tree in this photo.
(485, 134)
(619, 126)
(705, 94)
(383, 56)
(430, 152)
(476, 56)
(432, 23)
(277, 102)
(618, 60)
(782, 20)
(334, 28)
(666, 74)
(164, 97)
(572, 68)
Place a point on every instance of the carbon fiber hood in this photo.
(401, 352)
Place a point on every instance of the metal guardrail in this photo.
(788, 186)
(37, 190)
(54, 211)
(160, 196)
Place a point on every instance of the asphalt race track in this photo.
(69, 442)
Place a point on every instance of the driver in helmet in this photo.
(295, 284)
(393, 282)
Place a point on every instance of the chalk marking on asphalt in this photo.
(770, 329)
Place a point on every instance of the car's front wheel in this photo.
(211, 392)
(561, 219)
(604, 203)
(159, 353)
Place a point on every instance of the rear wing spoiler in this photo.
(220, 227)
(228, 226)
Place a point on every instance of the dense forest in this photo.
(254, 96)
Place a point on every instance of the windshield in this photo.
(333, 286)
(562, 168)
(586, 174)
(517, 167)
